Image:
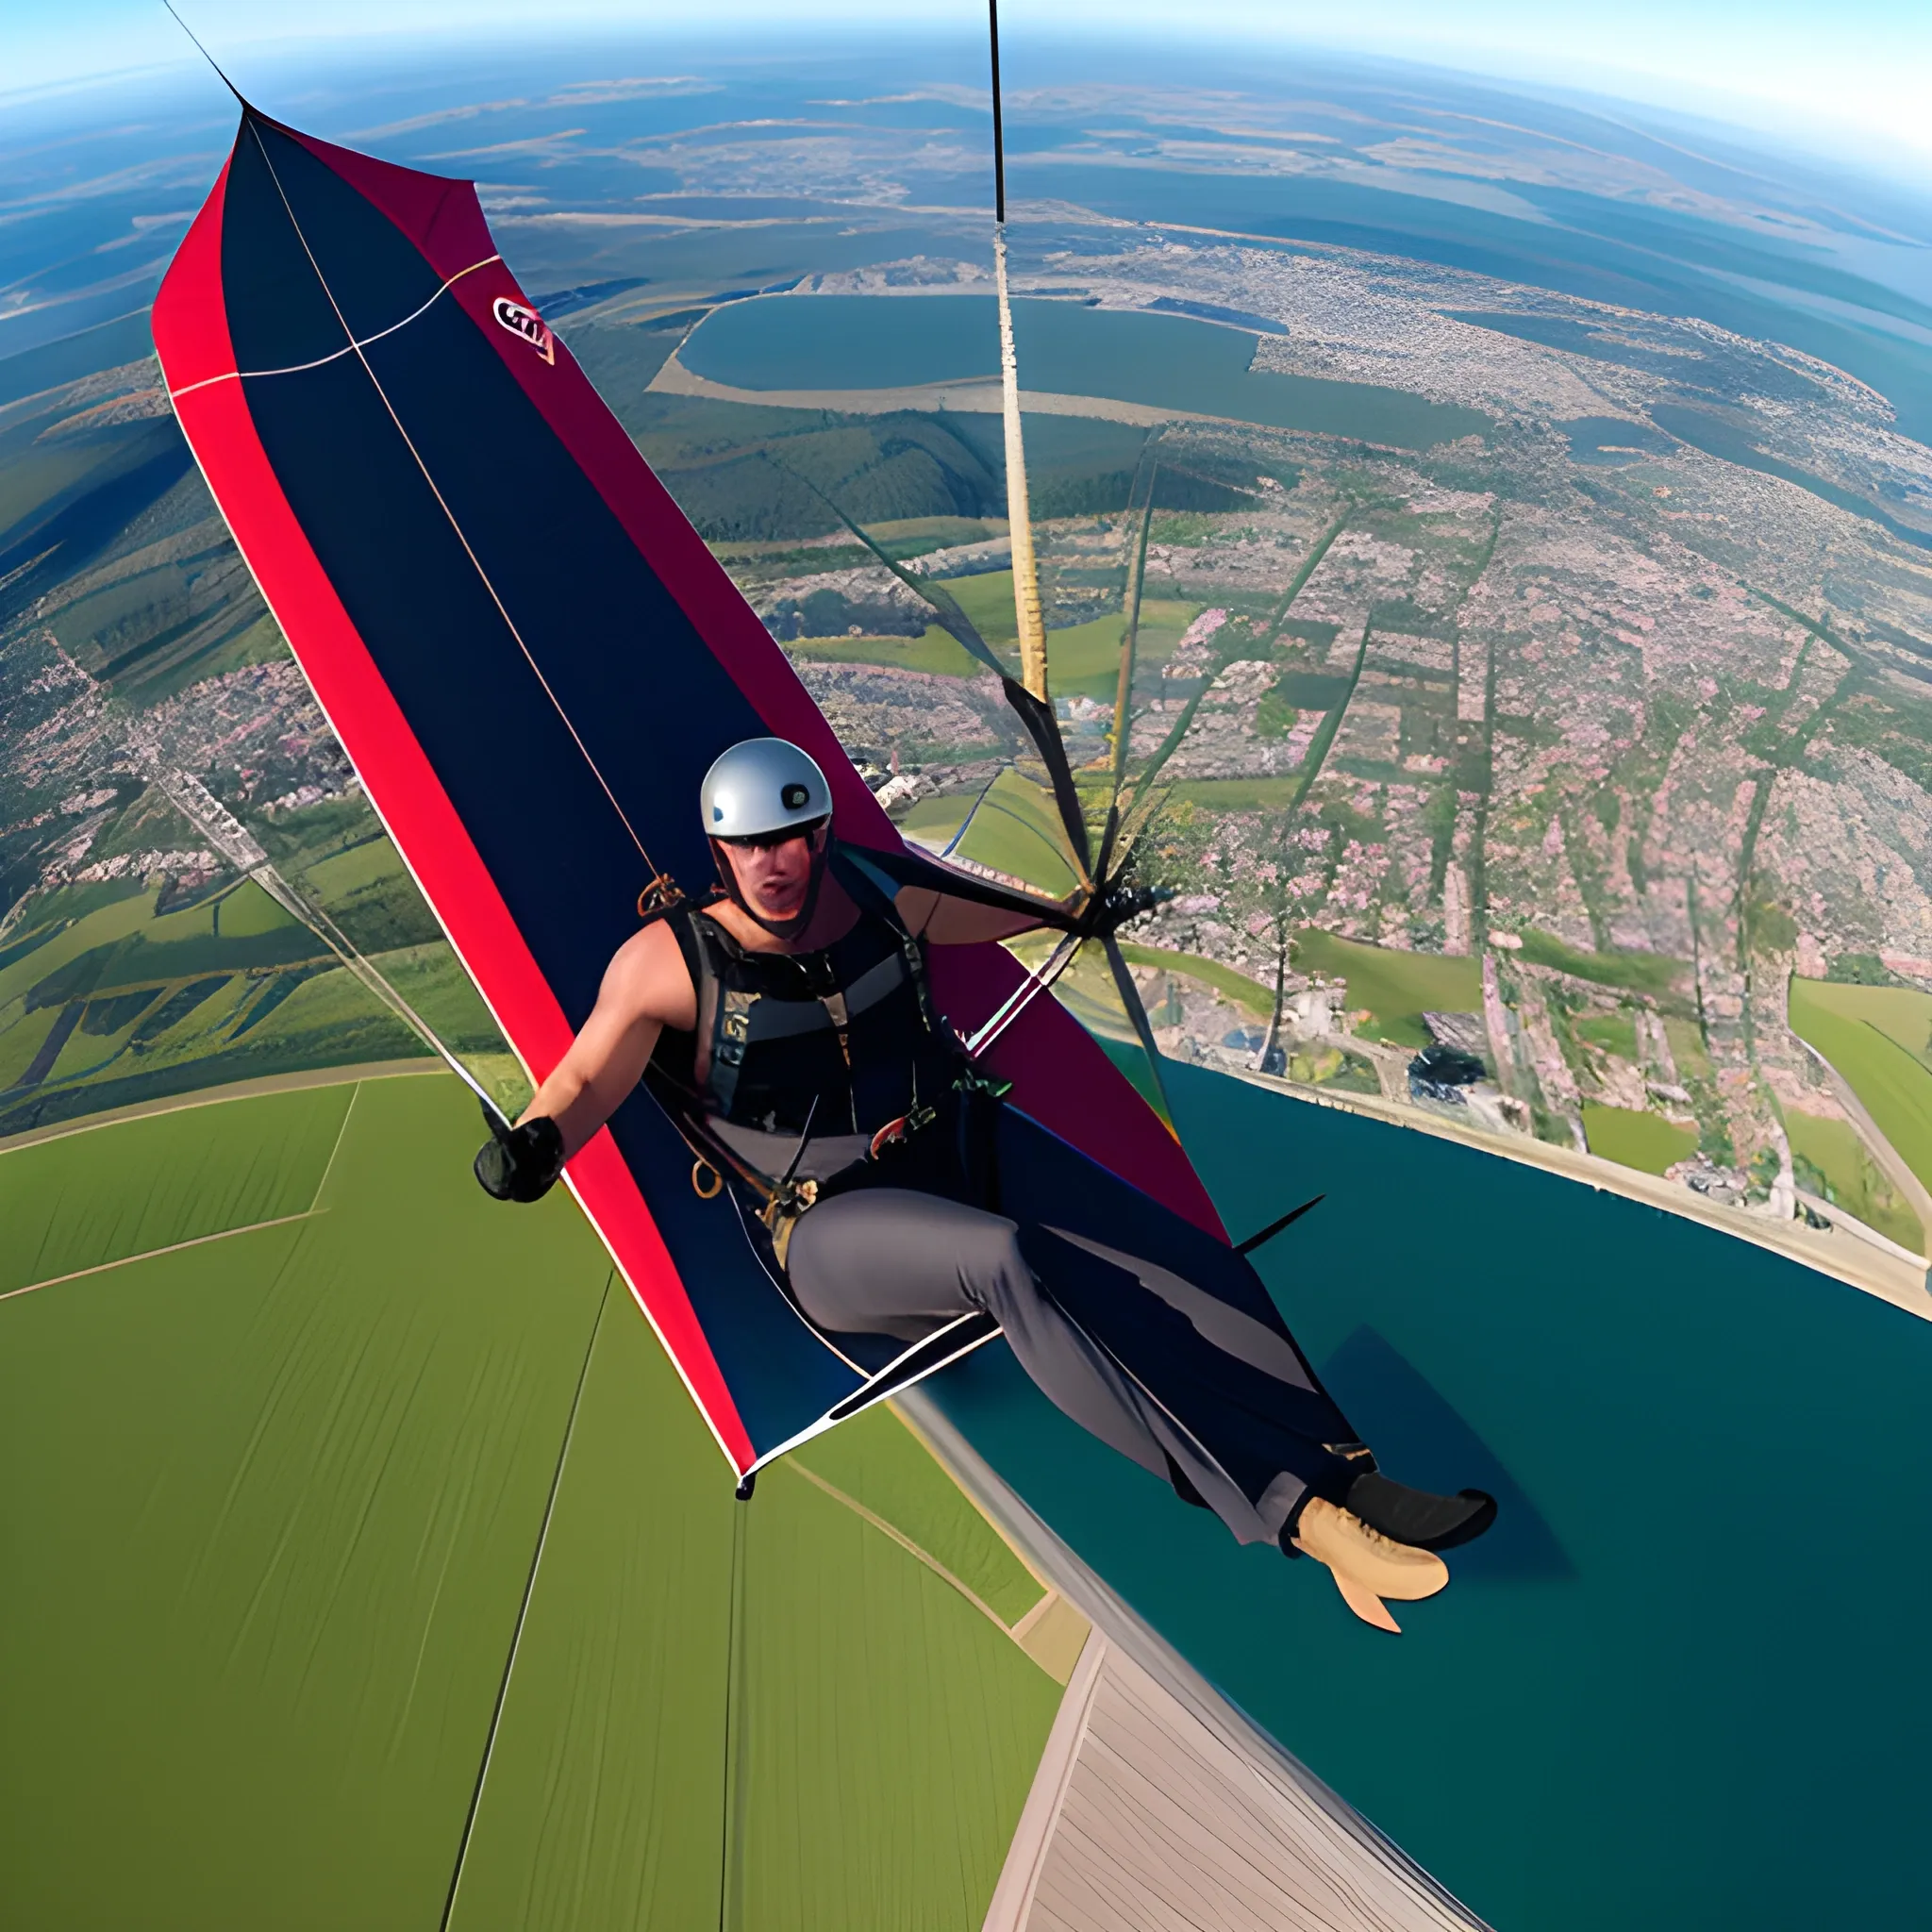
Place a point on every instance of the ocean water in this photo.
(1165, 361)
(1681, 1684)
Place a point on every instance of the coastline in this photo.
(969, 396)
(1849, 1252)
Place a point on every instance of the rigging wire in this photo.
(204, 52)
(1023, 995)
(1030, 626)
(999, 142)
(461, 536)
(363, 970)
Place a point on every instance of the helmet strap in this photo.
(820, 839)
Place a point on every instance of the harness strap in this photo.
(731, 1021)
(863, 886)
(774, 1018)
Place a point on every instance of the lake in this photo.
(1611, 442)
(1164, 360)
(1680, 1684)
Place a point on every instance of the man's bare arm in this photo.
(646, 988)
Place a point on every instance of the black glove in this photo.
(520, 1163)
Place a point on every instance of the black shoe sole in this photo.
(1468, 1531)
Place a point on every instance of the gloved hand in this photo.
(1107, 910)
(520, 1163)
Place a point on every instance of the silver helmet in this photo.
(762, 785)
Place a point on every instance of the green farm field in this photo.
(1082, 658)
(289, 1411)
(1901, 1013)
(934, 651)
(1011, 826)
(1397, 989)
(1616, 1033)
(111, 997)
(1642, 1141)
(1844, 1173)
(1239, 795)
(357, 869)
(1245, 991)
(1876, 1037)
(1637, 972)
(186, 1175)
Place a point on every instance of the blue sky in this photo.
(1853, 77)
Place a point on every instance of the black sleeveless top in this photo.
(843, 1037)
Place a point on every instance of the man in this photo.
(785, 1023)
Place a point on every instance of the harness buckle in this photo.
(780, 1214)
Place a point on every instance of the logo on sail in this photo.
(526, 322)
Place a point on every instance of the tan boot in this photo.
(1365, 1603)
(1366, 1564)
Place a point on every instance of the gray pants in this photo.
(889, 1261)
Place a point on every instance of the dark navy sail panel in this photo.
(531, 658)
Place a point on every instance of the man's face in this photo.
(774, 874)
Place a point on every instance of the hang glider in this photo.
(530, 658)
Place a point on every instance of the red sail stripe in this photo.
(192, 335)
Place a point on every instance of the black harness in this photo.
(843, 1037)
(837, 1045)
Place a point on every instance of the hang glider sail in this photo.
(531, 658)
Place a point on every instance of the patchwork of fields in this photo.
(1878, 1040)
(301, 1409)
(116, 992)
